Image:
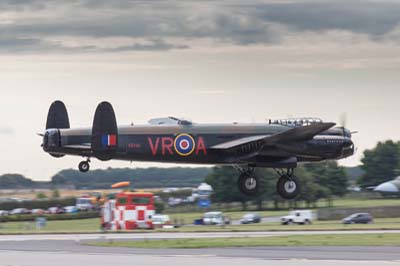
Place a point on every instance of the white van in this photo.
(298, 217)
(214, 218)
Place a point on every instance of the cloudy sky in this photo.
(211, 61)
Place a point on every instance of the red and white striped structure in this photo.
(128, 211)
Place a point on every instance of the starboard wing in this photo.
(238, 142)
(299, 133)
(291, 135)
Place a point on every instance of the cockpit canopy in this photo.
(170, 120)
(297, 122)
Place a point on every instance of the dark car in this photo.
(358, 218)
(250, 218)
(55, 210)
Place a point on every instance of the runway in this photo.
(174, 235)
(63, 250)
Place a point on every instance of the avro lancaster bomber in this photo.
(278, 144)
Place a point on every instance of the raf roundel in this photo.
(184, 144)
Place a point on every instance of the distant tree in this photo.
(330, 175)
(159, 206)
(55, 194)
(15, 181)
(140, 177)
(223, 180)
(380, 164)
(267, 191)
(311, 188)
(41, 195)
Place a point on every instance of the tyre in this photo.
(288, 188)
(248, 184)
(84, 166)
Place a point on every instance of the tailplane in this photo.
(57, 116)
(104, 132)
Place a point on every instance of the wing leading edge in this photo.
(291, 135)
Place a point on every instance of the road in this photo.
(272, 219)
(174, 235)
(63, 250)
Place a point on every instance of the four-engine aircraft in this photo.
(279, 144)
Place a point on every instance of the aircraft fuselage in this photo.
(164, 143)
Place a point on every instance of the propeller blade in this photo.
(343, 120)
(40, 134)
(354, 132)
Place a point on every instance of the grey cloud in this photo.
(24, 45)
(374, 18)
(241, 23)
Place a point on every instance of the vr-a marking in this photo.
(183, 145)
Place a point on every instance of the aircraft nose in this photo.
(387, 187)
(348, 147)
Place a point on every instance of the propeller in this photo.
(343, 120)
(343, 124)
(40, 135)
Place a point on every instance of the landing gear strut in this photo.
(84, 166)
(288, 186)
(248, 182)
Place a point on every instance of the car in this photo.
(160, 220)
(358, 218)
(250, 218)
(298, 217)
(84, 204)
(38, 211)
(214, 218)
(20, 211)
(71, 209)
(4, 213)
(55, 210)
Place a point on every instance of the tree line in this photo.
(324, 180)
(103, 179)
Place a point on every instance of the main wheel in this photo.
(84, 166)
(288, 187)
(248, 184)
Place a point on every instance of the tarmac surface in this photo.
(63, 250)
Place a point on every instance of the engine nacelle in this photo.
(52, 142)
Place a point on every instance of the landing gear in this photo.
(248, 182)
(84, 166)
(288, 185)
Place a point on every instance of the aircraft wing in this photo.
(238, 142)
(291, 135)
(299, 133)
(83, 146)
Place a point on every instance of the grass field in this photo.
(93, 226)
(361, 203)
(379, 224)
(78, 226)
(188, 217)
(305, 240)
